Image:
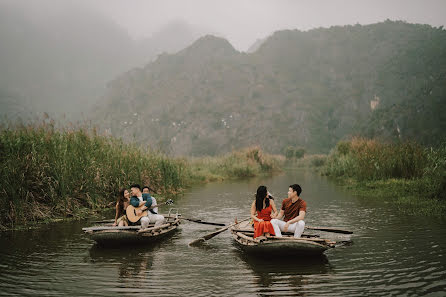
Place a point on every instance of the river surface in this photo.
(389, 253)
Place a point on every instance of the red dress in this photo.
(265, 226)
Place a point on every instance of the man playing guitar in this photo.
(146, 202)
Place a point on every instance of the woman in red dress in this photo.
(261, 210)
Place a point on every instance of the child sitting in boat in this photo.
(261, 209)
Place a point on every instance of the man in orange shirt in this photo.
(293, 210)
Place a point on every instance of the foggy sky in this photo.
(244, 21)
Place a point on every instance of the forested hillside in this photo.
(307, 89)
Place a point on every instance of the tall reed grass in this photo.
(48, 172)
(370, 160)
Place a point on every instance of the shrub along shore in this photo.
(49, 173)
(407, 174)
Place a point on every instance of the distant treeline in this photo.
(48, 173)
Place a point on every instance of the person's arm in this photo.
(146, 201)
(273, 205)
(143, 205)
(301, 216)
(134, 201)
(280, 215)
(116, 215)
(154, 205)
(253, 213)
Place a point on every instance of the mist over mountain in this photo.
(59, 59)
(62, 61)
(307, 89)
(171, 38)
(256, 45)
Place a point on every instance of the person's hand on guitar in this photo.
(140, 210)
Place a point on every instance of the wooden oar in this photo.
(101, 228)
(213, 234)
(103, 221)
(329, 229)
(181, 218)
(202, 222)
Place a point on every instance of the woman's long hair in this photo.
(121, 200)
(260, 195)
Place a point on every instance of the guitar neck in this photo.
(156, 205)
(151, 206)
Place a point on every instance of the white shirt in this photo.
(154, 203)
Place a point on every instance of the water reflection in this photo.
(132, 264)
(274, 274)
(132, 261)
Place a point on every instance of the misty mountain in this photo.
(256, 45)
(307, 89)
(171, 38)
(61, 60)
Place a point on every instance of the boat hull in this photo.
(286, 245)
(109, 236)
(281, 247)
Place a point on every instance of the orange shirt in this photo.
(291, 210)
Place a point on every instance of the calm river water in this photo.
(390, 253)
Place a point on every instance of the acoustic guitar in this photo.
(131, 211)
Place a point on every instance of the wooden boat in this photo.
(107, 235)
(286, 245)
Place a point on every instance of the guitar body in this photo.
(131, 214)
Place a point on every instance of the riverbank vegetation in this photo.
(248, 162)
(412, 176)
(50, 173)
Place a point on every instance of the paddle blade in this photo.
(197, 242)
